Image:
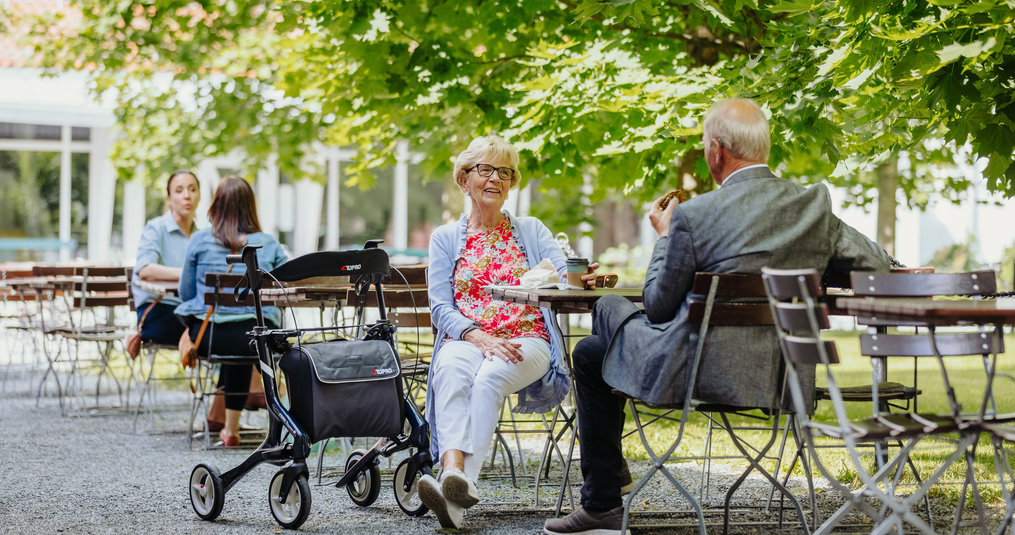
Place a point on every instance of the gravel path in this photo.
(88, 472)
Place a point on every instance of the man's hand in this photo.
(492, 346)
(660, 218)
(590, 278)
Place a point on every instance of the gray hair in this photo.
(491, 147)
(740, 126)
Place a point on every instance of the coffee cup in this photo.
(576, 267)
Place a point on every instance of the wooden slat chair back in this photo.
(799, 321)
(203, 384)
(923, 284)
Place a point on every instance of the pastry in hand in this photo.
(679, 194)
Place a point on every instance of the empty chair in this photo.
(879, 344)
(95, 296)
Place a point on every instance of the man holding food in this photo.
(754, 219)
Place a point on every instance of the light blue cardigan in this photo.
(447, 243)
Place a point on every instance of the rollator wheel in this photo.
(293, 511)
(408, 500)
(365, 489)
(206, 493)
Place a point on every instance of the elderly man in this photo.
(754, 219)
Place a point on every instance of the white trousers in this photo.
(468, 392)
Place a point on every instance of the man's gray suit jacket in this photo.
(755, 219)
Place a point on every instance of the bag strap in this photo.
(140, 322)
(211, 308)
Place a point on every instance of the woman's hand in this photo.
(492, 346)
(590, 279)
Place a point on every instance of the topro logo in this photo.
(352, 267)
(382, 371)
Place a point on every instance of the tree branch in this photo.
(701, 48)
(505, 59)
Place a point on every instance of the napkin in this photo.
(543, 275)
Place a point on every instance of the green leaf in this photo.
(954, 51)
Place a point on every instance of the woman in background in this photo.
(234, 223)
(160, 256)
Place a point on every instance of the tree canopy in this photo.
(608, 94)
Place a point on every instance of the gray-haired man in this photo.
(754, 219)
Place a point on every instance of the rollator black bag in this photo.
(345, 389)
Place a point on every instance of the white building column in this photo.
(400, 202)
(585, 244)
(331, 229)
(267, 196)
(65, 186)
(134, 216)
(101, 196)
(208, 176)
(307, 211)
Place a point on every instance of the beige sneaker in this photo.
(459, 489)
(449, 514)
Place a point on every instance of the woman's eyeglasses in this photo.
(485, 170)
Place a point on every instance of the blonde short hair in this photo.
(484, 148)
(741, 126)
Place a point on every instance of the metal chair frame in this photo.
(792, 296)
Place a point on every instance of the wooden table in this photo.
(163, 288)
(560, 301)
(1000, 311)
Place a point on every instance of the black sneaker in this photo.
(585, 522)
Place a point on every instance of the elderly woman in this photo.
(160, 257)
(234, 223)
(486, 349)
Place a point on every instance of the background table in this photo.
(933, 311)
(163, 288)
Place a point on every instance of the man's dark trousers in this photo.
(600, 425)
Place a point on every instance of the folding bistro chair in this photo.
(975, 283)
(731, 299)
(409, 311)
(14, 307)
(205, 380)
(147, 364)
(96, 296)
(50, 315)
(799, 319)
(879, 344)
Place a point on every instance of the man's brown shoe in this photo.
(585, 522)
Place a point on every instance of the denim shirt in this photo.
(164, 243)
(447, 243)
(206, 255)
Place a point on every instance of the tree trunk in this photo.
(888, 184)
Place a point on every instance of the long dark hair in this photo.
(233, 211)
